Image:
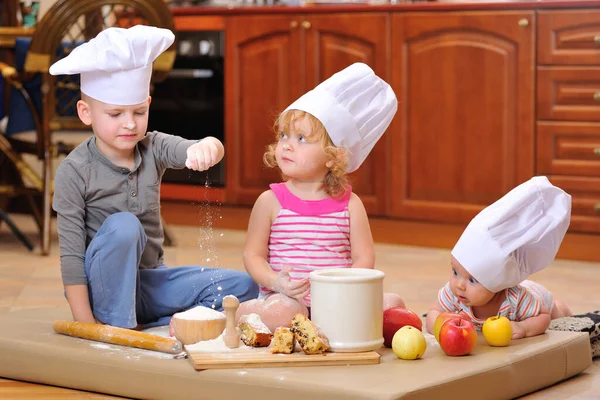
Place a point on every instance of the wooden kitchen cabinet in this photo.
(569, 37)
(568, 102)
(263, 74)
(272, 60)
(464, 133)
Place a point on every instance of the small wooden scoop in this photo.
(120, 336)
(231, 336)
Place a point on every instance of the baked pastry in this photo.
(308, 335)
(253, 331)
(283, 341)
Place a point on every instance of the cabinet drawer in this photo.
(569, 37)
(568, 148)
(568, 93)
(585, 201)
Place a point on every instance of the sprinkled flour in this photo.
(201, 313)
(255, 322)
(130, 353)
(216, 345)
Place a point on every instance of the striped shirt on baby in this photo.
(308, 235)
(522, 301)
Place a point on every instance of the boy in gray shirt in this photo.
(107, 193)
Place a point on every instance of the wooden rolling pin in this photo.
(120, 336)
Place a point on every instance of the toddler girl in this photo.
(313, 220)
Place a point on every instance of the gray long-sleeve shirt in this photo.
(88, 188)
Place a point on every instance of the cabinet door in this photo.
(464, 135)
(263, 75)
(333, 42)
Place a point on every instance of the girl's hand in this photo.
(204, 154)
(294, 289)
(518, 329)
(171, 329)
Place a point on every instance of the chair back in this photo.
(68, 24)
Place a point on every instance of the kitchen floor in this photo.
(214, 236)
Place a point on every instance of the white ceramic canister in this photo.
(347, 306)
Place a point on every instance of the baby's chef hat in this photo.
(116, 66)
(355, 106)
(516, 236)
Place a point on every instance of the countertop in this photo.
(378, 5)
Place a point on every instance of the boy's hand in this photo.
(204, 154)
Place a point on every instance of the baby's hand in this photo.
(204, 154)
(518, 330)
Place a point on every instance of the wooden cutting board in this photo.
(262, 358)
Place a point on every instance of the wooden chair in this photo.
(67, 24)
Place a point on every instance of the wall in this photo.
(44, 6)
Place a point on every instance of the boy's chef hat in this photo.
(355, 106)
(516, 236)
(116, 66)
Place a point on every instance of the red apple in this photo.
(445, 316)
(458, 337)
(394, 319)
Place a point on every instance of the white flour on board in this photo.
(215, 346)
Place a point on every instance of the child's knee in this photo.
(280, 309)
(276, 310)
(391, 300)
(248, 307)
(125, 228)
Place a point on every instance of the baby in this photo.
(505, 243)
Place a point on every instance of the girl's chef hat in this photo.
(516, 236)
(355, 106)
(116, 66)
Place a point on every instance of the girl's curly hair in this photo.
(336, 181)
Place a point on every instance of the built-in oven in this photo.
(190, 101)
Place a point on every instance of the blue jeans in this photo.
(122, 294)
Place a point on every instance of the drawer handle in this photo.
(523, 22)
(597, 151)
(597, 39)
(597, 96)
(597, 208)
(306, 24)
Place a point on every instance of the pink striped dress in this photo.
(308, 235)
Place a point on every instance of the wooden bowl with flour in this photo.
(198, 324)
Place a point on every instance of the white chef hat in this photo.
(116, 66)
(516, 236)
(355, 106)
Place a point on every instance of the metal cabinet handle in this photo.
(597, 96)
(293, 24)
(306, 24)
(523, 22)
(597, 39)
(597, 151)
(597, 208)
